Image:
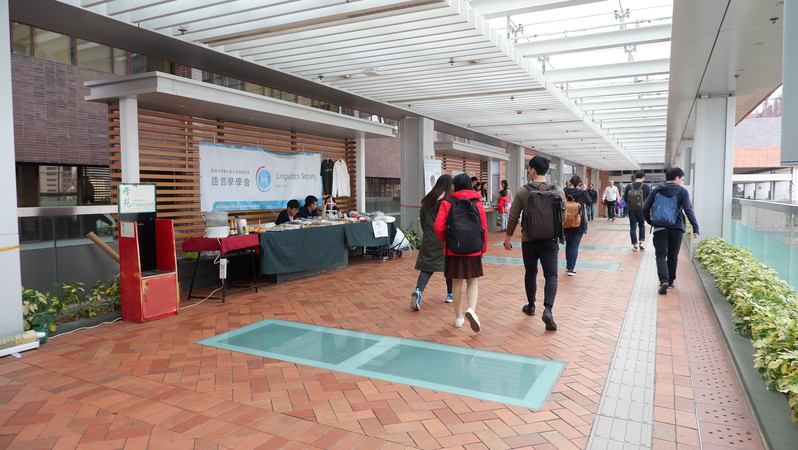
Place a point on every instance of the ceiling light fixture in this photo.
(372, 72)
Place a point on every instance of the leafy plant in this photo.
(44, 310)
(765, 309)
(39, 310)
(413, 236)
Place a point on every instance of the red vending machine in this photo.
(147, 257)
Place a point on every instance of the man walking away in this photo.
(635, 195)
(664, 209)
(610, 198)
(533, 250)
(593, 199)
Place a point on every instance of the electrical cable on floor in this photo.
(83, 328)
(206, 298)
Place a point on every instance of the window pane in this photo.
(120, 61)
(158, 65)
(136, 63)
(51, 46)
(58, 186)
(93, 56)
(20, 38)
(253, 88)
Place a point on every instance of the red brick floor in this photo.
(129, 385)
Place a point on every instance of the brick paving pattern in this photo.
(129, 385)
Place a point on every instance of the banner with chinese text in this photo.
(241, 178)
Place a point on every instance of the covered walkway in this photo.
(642, 369)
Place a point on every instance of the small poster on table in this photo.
(136, 198)
(380, 228)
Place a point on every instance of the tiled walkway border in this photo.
(625, 415)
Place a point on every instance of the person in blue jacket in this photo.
(668, 238)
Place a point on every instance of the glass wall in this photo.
(768, 230)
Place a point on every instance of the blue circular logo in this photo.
(263, 178)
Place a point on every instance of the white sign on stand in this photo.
(136, 198)
(432, 171)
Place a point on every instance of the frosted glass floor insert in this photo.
(501, 377)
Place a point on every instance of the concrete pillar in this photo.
(417, 136)
(556, 171)
(789, 89)
(516, 167)
(360, 173)
(10, 276)
(713, 154)
(129, 139)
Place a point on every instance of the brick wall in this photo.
(383, 158)
(754, 157)
(52, 122)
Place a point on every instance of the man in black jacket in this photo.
(634, 203)
(668, 238)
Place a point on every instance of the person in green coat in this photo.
(430, 256)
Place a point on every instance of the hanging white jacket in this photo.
(340, 184)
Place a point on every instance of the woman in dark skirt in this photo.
(463, 269)
(430, 256)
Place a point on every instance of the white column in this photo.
(417, 136)
(10, 275)
(516, 167)
(129, 139)
(360, 173)
(713, 153)
(789, 90)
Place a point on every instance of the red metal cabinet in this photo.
(148, 294)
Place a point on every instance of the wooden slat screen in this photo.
(169, 158)
(472, 167)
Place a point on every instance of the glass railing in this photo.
(54, 248)
(768, 229)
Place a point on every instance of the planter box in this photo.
(770, 408)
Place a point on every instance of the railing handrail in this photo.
(45, 211)
(766, 204)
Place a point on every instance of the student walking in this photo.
(573, 236)
(591, 192)
(664, 210)
(635, 195)
(504, 208)
(430, 255)
(536, 249)
(463, 269)
(610, 199)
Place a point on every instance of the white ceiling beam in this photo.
(596, 41)
(598, 116)
(625, 104)
(606, 71)
(617, 89)
(492, 9)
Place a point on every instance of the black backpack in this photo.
(635, 198)
(464, 233)
(543, 217)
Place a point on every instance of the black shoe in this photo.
(529, 309)
(663, 288)
(548, 319)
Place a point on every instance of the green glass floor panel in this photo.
(580, 265)
(598, 248)
(501, 377)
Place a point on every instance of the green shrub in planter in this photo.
(765, 309)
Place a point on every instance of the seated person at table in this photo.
(309, 210)
(329, 209)
(289, 214)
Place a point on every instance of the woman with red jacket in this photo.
(463, 267)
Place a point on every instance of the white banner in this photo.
(432, 171)
(240, 178)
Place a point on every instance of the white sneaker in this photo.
(634, 248)
(473, 319)
(459, 321)
(641, 244)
